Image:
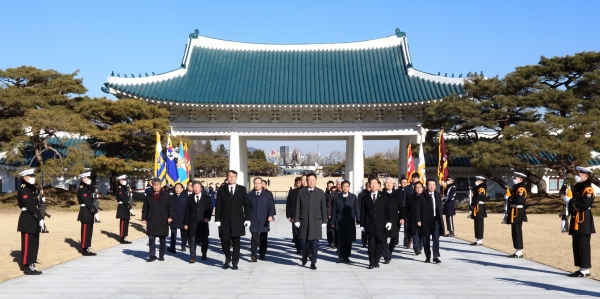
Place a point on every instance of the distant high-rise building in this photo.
(284, 152)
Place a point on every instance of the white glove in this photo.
(131, 212)
(218, 223)
(362, 229)
(42, 223)
(297, 224)
(388, 226)
(324, 225)
(505, 196)
(43, 199)
(246, 223)
(566, 199)
(97, 217)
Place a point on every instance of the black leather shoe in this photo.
(204, 258)
(304, 261)
(377, 265)
(417, 252)
(235, 267)
(476, 244)
(253, 259)
(578, 274)
(183, 249)
(385, 262)
(171, 250)
(123, 241)
(347, 261)
(340, 260)
(28, 271)
(226, 265)
(262, 258)
(370, 267)
(313, 267)
(88, 253)
(427, 261)
(151, 259)
(161, 259)
(436, 260)
(515, 256)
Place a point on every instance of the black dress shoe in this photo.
(515, 256)
(385, 262)
(253, 259)
(436, 260)
(578, 274)
(262, 258)
(476, 244)
(88, 253)
(313, 267)
(298, 251)
(204, 258)
(449, 235)
(161, 259)
(347, 261)
(151, 259)
(340, 260)
(418, 252)
(183, 249)
(370, 267)
(44, 231)
(28, 271)
(304, 261)
(235, 267)
(427, 261)
(123, 241)
(226, 265)
(171, 250)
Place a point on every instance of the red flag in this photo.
(442, 159)
(188, 165)
(410, 165)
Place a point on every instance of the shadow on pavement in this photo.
(73, 244)
(552, 287)
(483, 263)
(111, 235)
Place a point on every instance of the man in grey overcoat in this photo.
(311, 217)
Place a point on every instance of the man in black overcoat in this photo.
(432, 223)
(124, 209)
(375, 221)
(408, 191)
(30, 222)
(87, 211)
(396, 214)
(365, 192)
(412, 217)
(157, 213)
(345, 215)
(179, 201)
(311, 217)
(198, 212)
(231, 216)
(261, 208)
(290, 209)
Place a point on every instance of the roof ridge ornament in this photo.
(400, 33)
(195, 34)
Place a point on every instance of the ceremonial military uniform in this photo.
(516, 215)
(450, 208)
(582, 224)
(30, 223)
(123, 208)
(87, 210)
(478, 212)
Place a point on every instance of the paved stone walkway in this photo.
(465, 271)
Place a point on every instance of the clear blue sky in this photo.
(97, 37)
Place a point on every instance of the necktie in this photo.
(155, 196)
(197, 198)
(433, 203)
(374, 197)
(257, 193)
(310, 190)
(231, 191)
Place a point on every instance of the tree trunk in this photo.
(595, 180)
(536, 180)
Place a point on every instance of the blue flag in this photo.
(160, 169)
(182, 166)
(172, 175)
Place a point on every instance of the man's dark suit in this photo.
(431, 224)
(374, 215)
(396, 213)
(231, 212)
(194, 216)
(290, 213)
(345, 214)
(311, 213)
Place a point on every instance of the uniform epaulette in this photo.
(22, 185)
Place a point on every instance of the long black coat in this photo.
(449, 203)
(260, 208)
(28, 220)
(427, 218)
(290, 203)
(179, 205)
(272, 199)
(345, 213)
(581, 203)
(396, 211)
(413, 212)
(232, 212)
(311, 212)
(84, 196)
(195, 213)
(122, 193)
(156, 213)
(477, 209)
(375, 215)
(518, 194)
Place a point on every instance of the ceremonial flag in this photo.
(410, 165)
(172, 175)
(160, 168)
(421, 168)
(188, 165)
(182, 166)
(442, 160)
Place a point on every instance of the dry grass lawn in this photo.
(543, 241)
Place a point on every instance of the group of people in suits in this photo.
(378, 212)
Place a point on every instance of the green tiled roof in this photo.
(290, 77)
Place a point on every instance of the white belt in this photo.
(23, 209)
(120, 202)
(516, 206)
(82, 205)
(481, 202)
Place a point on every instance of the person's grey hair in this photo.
(196, 183)
(386, 179)
(339, 180)
(156, 180)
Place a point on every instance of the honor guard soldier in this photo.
(478, 212)
(516, 214)
(30, 222)
(124, 209)
(450, 205)
(87, 210)
(582, 222)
